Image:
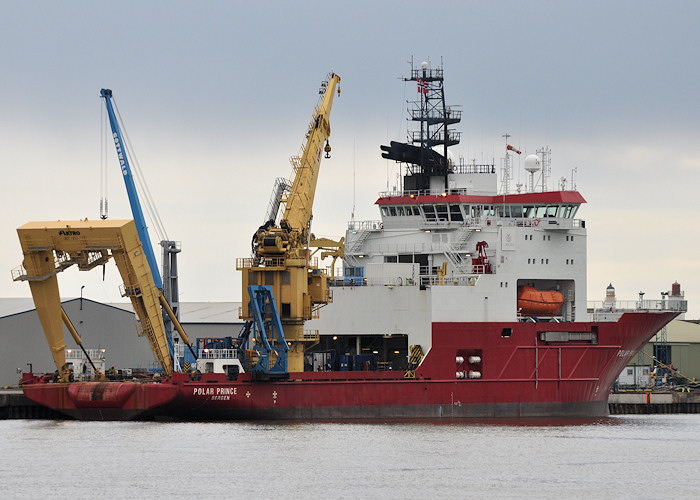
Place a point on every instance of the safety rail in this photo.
(663, 305)
(207, 353)
(311, 335)
(423, 280)
(61, 261)
(79, 354)
(278, 262)
(130, 290)
(359, 225)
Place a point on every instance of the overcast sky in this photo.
(216, 97)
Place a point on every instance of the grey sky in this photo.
(216, 97)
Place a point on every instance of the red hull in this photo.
(527, 369)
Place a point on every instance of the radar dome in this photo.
(424, 65)
(532, 163)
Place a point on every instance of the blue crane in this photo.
(136, 210)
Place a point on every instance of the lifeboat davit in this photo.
(533, 302)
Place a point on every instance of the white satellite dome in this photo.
(532, 163)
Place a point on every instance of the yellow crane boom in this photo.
(299, 203)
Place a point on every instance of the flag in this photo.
(422, 86)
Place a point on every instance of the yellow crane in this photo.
(51, 247)
(281, 257)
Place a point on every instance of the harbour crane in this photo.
(170, 248)
(281, 256)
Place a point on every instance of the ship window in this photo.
(399, 211)
(528, 261)
(567, 262)
(455, 213)
(506, 332)
(540, 212)
(467, 210)
(421, 258)
(392, 211)
(572, 237)
(572, 262)
(385, 211)
(441, 212)
(551, 211)
(544, 237)
(429, 211)
(549, 237)
(528, 212)
(516, 211)
(406, 258)
(391, 258)
(489, 211)
(286, 309)
(546, 261)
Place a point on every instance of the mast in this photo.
(425, 151)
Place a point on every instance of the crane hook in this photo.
(327, 149)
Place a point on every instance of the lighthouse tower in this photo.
(609, 302)
(675, 296)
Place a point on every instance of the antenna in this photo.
(352, 215)
(546, 158)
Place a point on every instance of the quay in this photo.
(14, 405)
(648, 402)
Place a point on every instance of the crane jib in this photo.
(131, 191)
(120, 155)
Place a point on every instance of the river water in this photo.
(656, 456)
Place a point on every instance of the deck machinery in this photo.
(280, 250)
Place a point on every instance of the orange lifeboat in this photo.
(533, 302)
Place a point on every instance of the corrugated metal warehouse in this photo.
(101, 326)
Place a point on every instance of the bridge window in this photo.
(399, 211)
(392, 211)
(456, 213)
(385, 212)
(429, 211)
(552, 211)
(441, 212)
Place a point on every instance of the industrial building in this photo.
(107, 328)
